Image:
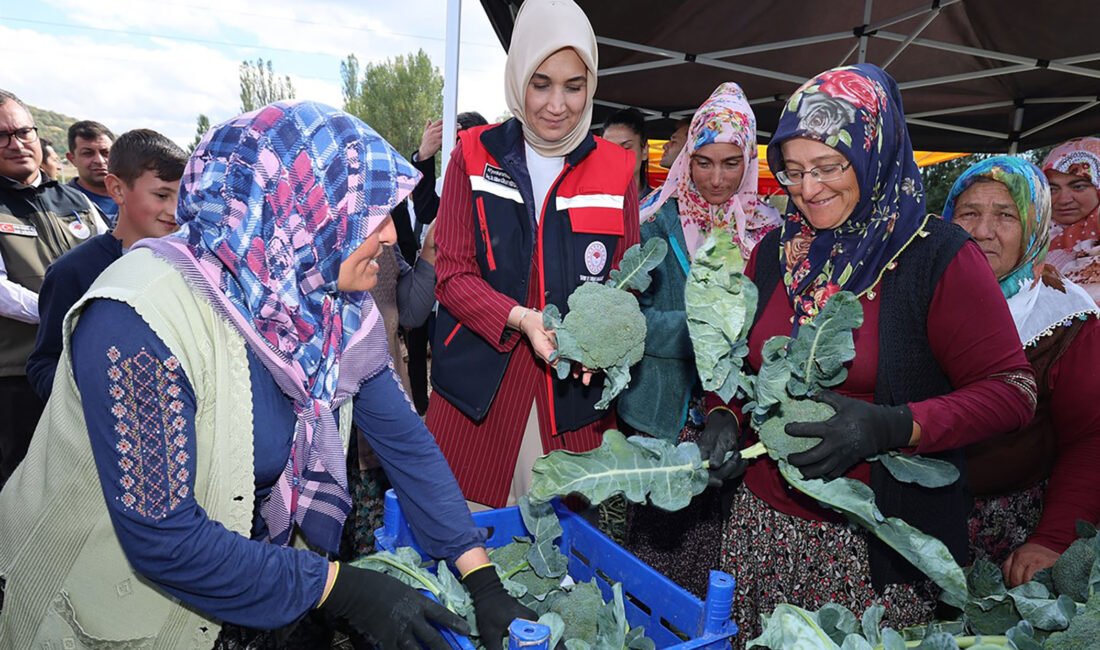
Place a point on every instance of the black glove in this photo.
(719, 437)
(392, 615)
(495, 609)
(857, 431)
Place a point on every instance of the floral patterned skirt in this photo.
(1000, 525)
(777, 558)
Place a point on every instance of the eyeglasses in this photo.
(25, 135)
(822, 174)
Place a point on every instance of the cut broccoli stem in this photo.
(755, 451)
(514, 571)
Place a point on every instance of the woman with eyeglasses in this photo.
(938, 364)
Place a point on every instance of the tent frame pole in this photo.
(450, 79)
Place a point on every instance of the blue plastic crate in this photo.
(672, 617)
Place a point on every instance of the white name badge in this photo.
(18, 229)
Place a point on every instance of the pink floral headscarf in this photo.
(725, 117)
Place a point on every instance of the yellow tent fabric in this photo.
(767, 179)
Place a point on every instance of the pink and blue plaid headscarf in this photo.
(270, 204)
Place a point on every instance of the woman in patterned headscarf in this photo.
(1073, 170)
(937, 362)
(193, 431)
(711, 187)
(1032, 485)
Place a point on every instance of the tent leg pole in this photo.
(450, 78)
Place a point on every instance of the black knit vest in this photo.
(907, 372)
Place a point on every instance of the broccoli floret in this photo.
(607, 326)
(774, 437)
(1071, 570)
(579, 608)
(1083, 631)
(604, 330)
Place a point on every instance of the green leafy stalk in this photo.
(755, 451)
(390, 562)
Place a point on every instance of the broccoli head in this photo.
(607, 326)
(1071, 571)
(579, 607)
(604, 330)
(1083, 631)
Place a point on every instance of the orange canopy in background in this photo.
(767, 183)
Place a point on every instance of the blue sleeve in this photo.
(61, 288)
(425, 486)
(140, 411)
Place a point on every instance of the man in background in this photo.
(675, 143)
(51, 162)
(40, 220)
(89, 150)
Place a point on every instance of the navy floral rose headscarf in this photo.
(857, 111)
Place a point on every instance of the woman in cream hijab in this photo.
(531, 208)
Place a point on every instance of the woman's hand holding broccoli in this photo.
(529, 322)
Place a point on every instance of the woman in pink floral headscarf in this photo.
(714, 178)
(1073, 170)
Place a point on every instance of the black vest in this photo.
(907, 372)
(579, 240)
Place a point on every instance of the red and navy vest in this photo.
(574, 241)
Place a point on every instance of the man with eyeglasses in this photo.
(40, 219)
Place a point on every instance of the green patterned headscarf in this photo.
(1031, 193)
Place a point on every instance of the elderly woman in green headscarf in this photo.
(1031, 486)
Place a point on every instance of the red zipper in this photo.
(485, 233)
(450, 336)
(542, 293)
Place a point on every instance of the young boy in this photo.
(143, 177)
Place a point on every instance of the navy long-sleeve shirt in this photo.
(140, 406)
(66, 281)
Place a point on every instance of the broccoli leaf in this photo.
(938, 641)
(1035, 605)
(636, 265)
(823, 345)
(891, 640)
(637, 640)
(836, 621)
(541, 521)
(1023, 637)
(553, 621)
(611, 624)
(870, 621)
(775, 373)
(404, 564)
(910, 468)
(793, 627)
(616, 379)
(855, 642)
(857, 501)
(635, 467)
(720, 304)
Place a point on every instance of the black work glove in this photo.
(494, 607)
(392, 615)
(720, 436)
(857, 431)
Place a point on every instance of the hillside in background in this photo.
(54, 127)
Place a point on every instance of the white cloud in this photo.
(139, 64)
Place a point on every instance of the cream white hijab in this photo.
(543, 27)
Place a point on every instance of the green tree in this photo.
(202, 125)
(939, 178)
(260, 85)
(396, 97)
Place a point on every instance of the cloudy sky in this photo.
(139, 63)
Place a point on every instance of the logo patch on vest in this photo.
(499, 176)
(18, 229)
(79, 230)
(595, 257)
